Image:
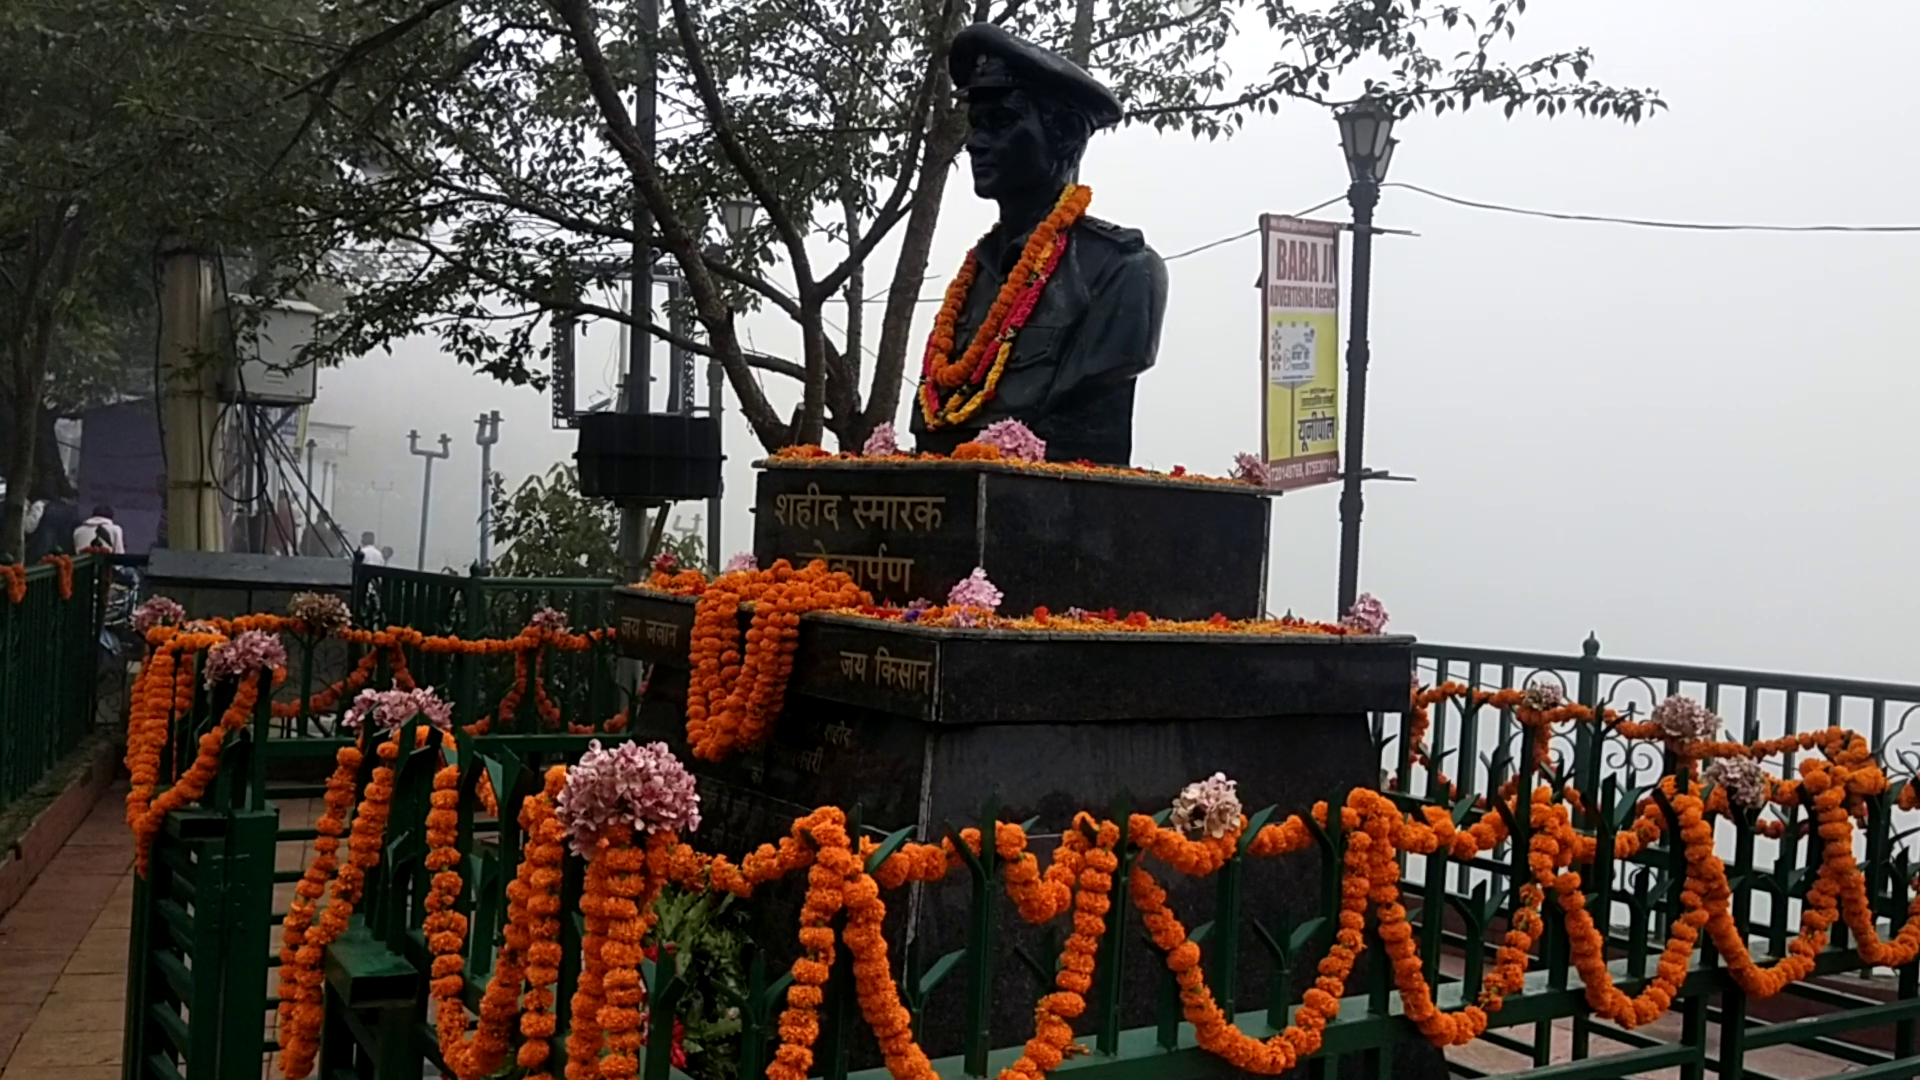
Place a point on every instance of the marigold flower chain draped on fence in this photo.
(631, 856)
(164, 690)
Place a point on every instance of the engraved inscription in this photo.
(801, 511)
(897, 672)
(878, 572)
(894, 512)
(662, 633)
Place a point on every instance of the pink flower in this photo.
(1545, 694)
(1742, 779)
(388, 709)
(743, 562)
(974, 591)
(1368, 615)
(666, 562)
(324, 614)
(882, 443)
(240, 656)
(1248, 468)
(550, 619)
(157, 611)
(1683, 719)
(638, 784)
(1015, 440)
(1211, 806)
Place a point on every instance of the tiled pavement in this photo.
(63, 957)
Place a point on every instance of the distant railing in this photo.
(48, 654)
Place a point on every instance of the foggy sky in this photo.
(1695, 445)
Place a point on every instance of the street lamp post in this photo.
(1366, 137)
(487, 435)
(426, 486)
(736, 217)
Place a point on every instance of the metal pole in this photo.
(426, 486)
(680, 360)
(646, 93)
(716, 407)
(488, 434)
(313, 492)
(1363, 195)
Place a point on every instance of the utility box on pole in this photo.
(270, 339)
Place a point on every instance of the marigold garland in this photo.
(299, 984)
(971, 378)
(300, 1028)
(1835, 787)
(63, 568)
(734, 695)
(531, 954)
(146, 818)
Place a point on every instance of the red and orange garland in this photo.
(968, 381)
(734, 694)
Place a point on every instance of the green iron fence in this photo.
(48, 659)
(203, 920)
(475, 607)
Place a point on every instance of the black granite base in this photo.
(924, 728)
(1174, 549)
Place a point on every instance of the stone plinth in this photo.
(924, 727)
(1176, 549)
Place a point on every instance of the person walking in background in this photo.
(52, 529)
(100, 531)
(370, 552)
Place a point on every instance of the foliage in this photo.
(707, 933)
(546, 528)
(549, 529)
(123, 123)
(687, 546)
(506, 128)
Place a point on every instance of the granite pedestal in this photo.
(1175, 549)
(923, 727)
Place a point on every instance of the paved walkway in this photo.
(63, 957)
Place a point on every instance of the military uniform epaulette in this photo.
(1125, 237)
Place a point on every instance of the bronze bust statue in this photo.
(1055, 313)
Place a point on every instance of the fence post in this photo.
(1587, 737)
(473, 599)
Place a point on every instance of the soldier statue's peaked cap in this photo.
(985, 57)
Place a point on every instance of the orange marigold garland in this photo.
(733, 696)
(546, 846)
(300, 1031)
(243, 665)
(63, 567)
(300, 984)
(610, 797)
(16, 576)
(531, 955)
(833, 864)
(970, 379)
(1094, 864)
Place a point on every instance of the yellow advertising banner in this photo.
(1300, 350)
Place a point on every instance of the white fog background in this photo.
(1698, 446)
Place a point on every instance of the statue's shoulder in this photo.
(1122, 244)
